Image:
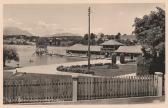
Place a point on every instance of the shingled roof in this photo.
(80, 47)
(112, 42)
(130, 49)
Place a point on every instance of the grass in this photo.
(122, 70)
(107, 70)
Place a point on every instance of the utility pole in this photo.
(89, 39)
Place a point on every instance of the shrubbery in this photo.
(114, 58)
(99, 64)
(79, 68)
(122, 58)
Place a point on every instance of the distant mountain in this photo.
(65, 34)
(15, 31)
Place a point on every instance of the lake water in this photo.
(26, 54)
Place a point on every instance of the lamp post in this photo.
(89, 39)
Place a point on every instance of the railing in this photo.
(38, 90)
(117, 87)
(65, 88)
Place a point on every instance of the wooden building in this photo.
(83, 49)
(132, 51)
(110, 45)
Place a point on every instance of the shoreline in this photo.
(52, 68)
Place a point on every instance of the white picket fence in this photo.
(116, 87)
(65, 88)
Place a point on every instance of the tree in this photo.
(150, 32)
(110, 37)
(113, 58)
(118, 36)
(92, 39)
(101, 35)
(9, 54)
(86, 37)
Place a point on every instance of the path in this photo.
(52, 68)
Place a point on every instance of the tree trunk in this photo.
(4, 61)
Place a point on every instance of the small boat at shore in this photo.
(71, 55)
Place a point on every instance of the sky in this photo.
(48, 19)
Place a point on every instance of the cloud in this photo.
(41, 28)
(44, 28)
(12, 22)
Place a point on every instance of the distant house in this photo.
(83, 49)
(110, 45)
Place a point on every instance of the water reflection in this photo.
(27, 58)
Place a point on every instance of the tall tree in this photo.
(117, 37)
(92, 39)
(150, 32)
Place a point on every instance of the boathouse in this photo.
(132, 51)
(83, 49)
(110, 45)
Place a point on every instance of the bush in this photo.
(60, 68)
(143, 65)
(114, 58)
(122, 58)
(107, 63)
(9, 54)
(99, 64)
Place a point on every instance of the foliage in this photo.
(113, 58)
(118, 36)
(150, 32)
(128, 42)
(92, 39)
(100, 41)
(122, 58)
(9, 54)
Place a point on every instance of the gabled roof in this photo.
(80, 47)
(130, 49)
(112, 42)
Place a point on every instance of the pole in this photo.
(89, 39)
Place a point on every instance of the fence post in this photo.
(75, 92)
(160, 83)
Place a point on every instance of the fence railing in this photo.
(38, 90)
(116, 87)
(65, 88)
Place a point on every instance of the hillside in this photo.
(15, 31)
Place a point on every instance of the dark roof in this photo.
(80, 47)
(130, 49)
(111, 42)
